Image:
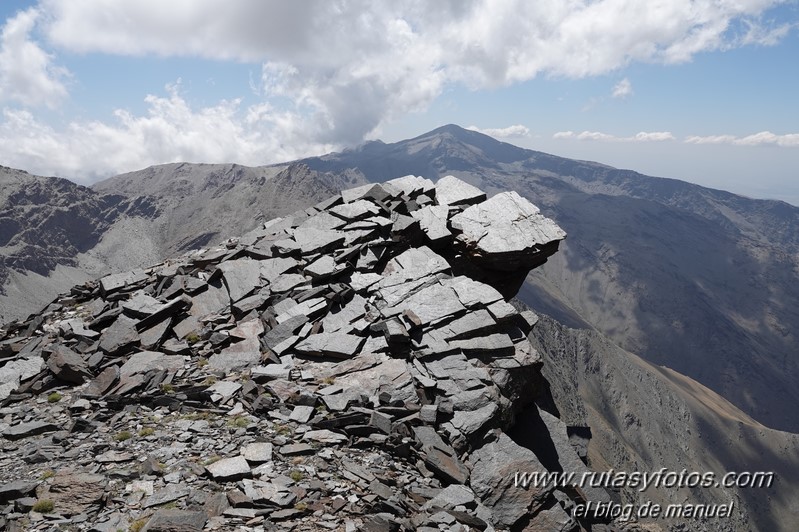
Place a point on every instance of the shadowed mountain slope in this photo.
(697, 279)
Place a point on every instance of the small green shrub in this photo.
(54, 397)
(138, 524)
(123, 435)
(43, 506)
(296, 475)
(238, 422)
(192, 338)
(147, 431)
(47, 474)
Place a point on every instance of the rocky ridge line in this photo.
(353, 366)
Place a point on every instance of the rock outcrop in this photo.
(353, 366)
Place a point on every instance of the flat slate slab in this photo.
(26, 430)
(242, 277)
(505, 223)
(228, 469)
(144, 361)
(453, 191)
(339, 345)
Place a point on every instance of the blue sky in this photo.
(704, 90)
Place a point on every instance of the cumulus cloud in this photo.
(396, 57)
(764, 138)
(623, 89)
(171, 131)
(514, 131)
(338, 72)
(27, 73)
(643, 136)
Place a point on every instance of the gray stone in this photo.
(211, 300)
(145, 361)
(257, 452)
(554, 519)
(428, 413)
(472, 324)
(343, 319)
(74, 493)
(152, 336)
(412, 264)
(411, 185)
(221, 391)
(376, 191)
(433, 221)
(311, 240)
(452, 191)
(338, 345)
(283, 331)
(287, 282)
(242, 354)
(440, 457)
(28, 429)
(471, 422)
(67, 365)
(323, 267)
(120, 335)
(271, 371)
(472, 293)
(431, 304)
(497, 345)
(474, 399)
(501, 310)
(324, 436)
(506, 224)
(228, 469)
(355, 210)
(165, 495)
(293, 449)
(176, 521)
(302, 413)
(17, 371)
(452, 496)
(493, 479)
(568, 458)
(103, 382)
(16, 489)
(242, 277)
(112, 283)
(323, 220)
(272, 268)
(141, 305)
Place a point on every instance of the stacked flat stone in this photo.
(366, 363)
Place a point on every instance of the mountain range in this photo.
(700, 284)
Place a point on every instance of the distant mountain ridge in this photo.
(697, 279)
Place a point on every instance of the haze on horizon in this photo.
(703, 91)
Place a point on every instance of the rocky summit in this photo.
(353, 366)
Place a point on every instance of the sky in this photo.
(701, 90)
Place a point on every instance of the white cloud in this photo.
(27, 73)
(171, 131)
(514, 131)
(623, 89)
(396, 57)
(764, 138)
(643, 136)
(337, 71)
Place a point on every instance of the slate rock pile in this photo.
(353, 366)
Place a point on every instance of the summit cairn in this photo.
(353, 366)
